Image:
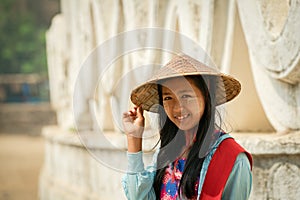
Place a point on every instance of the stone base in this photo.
(276, 170)
(72, 171)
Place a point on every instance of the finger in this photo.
(127, 115)
(140, 111)
(133, 111)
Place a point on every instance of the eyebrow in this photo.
(166, 93)
(180, 92)
(186, 90)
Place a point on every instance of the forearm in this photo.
(137, 182)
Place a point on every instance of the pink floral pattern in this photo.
(171, 180)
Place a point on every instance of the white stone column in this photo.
(58, 58)
(272, 30)
(107, 19)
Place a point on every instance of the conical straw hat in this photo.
(146, 94)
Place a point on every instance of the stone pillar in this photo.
(58, 60)
(272, 31)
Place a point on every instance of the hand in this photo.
(133, 123)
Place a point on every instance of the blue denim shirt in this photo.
(138, 181)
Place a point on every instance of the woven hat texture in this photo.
(146, 94)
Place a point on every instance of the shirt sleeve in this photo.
(138, 182)
(239, 183)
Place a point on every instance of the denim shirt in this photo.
(138, 181)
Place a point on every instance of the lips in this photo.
(182, 117)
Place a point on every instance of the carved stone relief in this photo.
(272, 32)
(284, 181)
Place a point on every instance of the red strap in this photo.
(219, 169)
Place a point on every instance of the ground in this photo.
(21, 159)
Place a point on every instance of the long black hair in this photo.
(172, 142)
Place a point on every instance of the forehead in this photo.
(178, 84)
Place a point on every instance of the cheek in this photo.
(168, 112)
(201, 109)
(199, 115)
(201, 105)
(197, 109)
(196, 106)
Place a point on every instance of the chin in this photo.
(185, 128)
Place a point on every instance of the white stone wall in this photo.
(73, 36)
(76, 170)
(71, 171)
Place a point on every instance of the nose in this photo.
(178, 106)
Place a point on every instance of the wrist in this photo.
(134, 144)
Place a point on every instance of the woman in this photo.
(196, 159)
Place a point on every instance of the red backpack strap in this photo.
(220, 168)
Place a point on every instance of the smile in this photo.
(182, 117)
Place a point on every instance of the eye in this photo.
(167, 98)
(186, 96)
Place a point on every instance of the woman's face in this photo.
(183, 102)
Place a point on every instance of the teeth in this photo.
(182, 117)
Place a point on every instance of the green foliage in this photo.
(22, 40)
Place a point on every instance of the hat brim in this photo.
(146, 95)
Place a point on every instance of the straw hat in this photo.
(146, 94)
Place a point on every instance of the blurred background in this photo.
(24, 94)
(48, 151)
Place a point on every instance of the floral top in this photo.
(171, 180)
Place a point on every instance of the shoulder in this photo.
(227, 150)
(242, 162)
(231, 148)
(219, 138)
(242, 158)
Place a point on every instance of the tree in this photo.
(22, 38)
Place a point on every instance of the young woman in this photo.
(196, 159)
